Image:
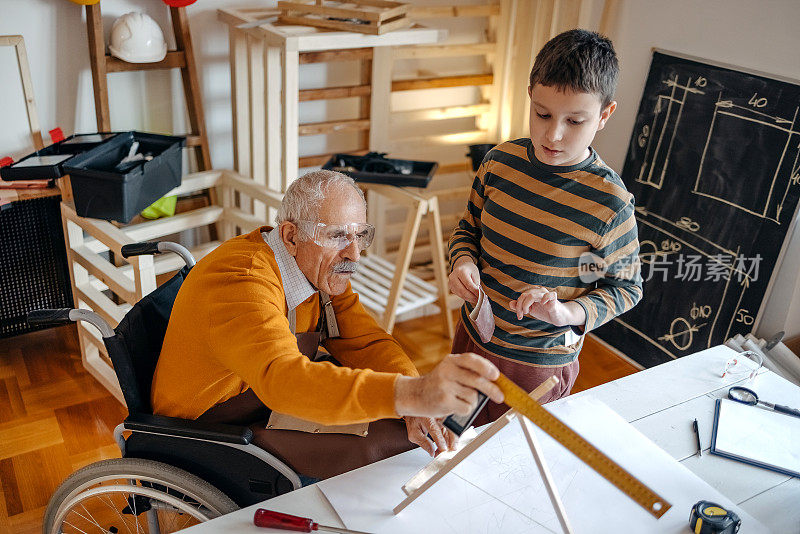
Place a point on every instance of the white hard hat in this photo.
(137, 38)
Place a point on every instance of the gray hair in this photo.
(303, 198)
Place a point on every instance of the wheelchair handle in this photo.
(157, 247)
(139, 249)
(48, 317)
(69, 315)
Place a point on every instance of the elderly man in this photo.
(243, 337)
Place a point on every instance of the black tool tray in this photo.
(104, 191)
(419, 172)
(28, 168)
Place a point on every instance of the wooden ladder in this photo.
(181, 58)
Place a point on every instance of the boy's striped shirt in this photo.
(528, 223)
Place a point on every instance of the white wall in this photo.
(758, 35)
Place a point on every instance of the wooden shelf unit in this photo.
(265, 60)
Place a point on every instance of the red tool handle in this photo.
(270, 519)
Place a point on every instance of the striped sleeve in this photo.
(466, 238)
(620, 289)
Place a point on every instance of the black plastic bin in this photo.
(47, 163)
(364, 169)
(102, 192)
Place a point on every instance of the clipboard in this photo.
(755, 436)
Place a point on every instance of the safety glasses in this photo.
(339, 236)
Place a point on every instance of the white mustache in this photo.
(346, 266)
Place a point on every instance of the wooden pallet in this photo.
(374, 17)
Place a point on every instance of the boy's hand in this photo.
(465, 280)
(544, 305)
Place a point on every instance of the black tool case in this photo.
(102, 191)
(33, 166)
(370, 169)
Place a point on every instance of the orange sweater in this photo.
(228, 331)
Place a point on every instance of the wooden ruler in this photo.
(516, 398)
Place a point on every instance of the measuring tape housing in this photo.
(710, 518)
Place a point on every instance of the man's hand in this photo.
(419, 428)
(452, 387)
(544, 305)
(465, 280)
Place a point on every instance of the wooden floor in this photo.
(55, 418)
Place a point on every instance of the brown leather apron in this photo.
(314, 454)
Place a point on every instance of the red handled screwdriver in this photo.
(270, 519)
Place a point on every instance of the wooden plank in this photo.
(27, 87)
(99, 303)
(419, 144)
(439, 267)
(239, 101)
(329, 93)
(438, 12)
(423, 52)
(192, 183)
(401, 266)
(355, 54)
(443, 81)
(451, 168)
(269, 197)
(191, 85)
(272, 68)
(173, 59)
(365, 102)
(313, 39)
(97, 62)
(316, 128)
(106, 272)
(258, 123)
(172, 225)
(243, 220)
(289, 95)
(328, 10)
(440, 113)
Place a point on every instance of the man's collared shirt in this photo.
(295, 284)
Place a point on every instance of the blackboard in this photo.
(714, 166)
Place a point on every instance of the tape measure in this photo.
(516, 398)
(711, 518)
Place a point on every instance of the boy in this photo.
(539, 207)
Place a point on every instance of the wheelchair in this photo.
(173, 473)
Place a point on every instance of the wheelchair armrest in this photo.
(188, 428)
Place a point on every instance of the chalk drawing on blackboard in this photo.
(663, 121)
(721, 263)
(683, 223)
(714, 180)
(681, 333)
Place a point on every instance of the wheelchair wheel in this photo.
(132, 495)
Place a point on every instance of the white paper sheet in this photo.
(498, 488)
(755, 434)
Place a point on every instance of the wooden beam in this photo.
(97, 55)
(316, 128)
(438, 12)
(354, 54)
(440, 113)
(421, 52)
(330, 93)
(173, 59)
(444, 81)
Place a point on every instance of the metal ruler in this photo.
(516, 398)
